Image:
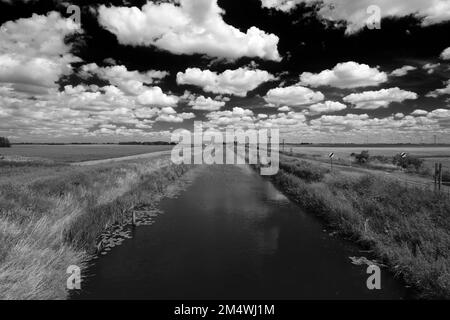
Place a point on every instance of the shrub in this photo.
(408, 162)
(4, 143)
(362, 157)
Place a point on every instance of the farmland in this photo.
(78, 153)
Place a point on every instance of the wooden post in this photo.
(440, 176)
(133, 218)
(435, 176)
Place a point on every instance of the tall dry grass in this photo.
(408, 229)
(52, 221)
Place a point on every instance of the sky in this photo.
(339, 71)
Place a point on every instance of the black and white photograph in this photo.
(219, 158)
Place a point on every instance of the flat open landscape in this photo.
(78, 153)
(430, 154)
(420, 152)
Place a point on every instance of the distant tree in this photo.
(362, 157)
(4, 143)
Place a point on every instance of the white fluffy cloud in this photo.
(176, 118)
(326, 107)
(284, 109)
(349, 120)
(238, 118)
(155, 96)
(193, 26)
(293, 96)
(131, 82)
(446, 54)
(81, 111)
(403, 71)
(438, 92)
(379, 99)
(237, 82)
(33, 54)
(430, 67)
(345, 75)
(419, 112)
(206, 104)
(356, 15)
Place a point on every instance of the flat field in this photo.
(78, 153)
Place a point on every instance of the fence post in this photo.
(435, 175)
(440, 176)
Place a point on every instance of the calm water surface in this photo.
(231, 235)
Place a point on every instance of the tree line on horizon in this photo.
(4, 142)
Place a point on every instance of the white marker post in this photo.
(331, 155)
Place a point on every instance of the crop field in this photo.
(78, 153)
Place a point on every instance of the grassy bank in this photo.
(408, 229)
(51, 220)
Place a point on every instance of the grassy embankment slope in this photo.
(51, 215)
(407, 228)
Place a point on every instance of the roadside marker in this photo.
(331, 155)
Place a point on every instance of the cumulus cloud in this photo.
(446, 54)
(237, 82)
(345, 75)
(349, 120)
(155, 96)
(355, 14)
(438, 92)
(131, 82)
(327, 107)
(190, 27)
(82, 111)
(430, 67)
(33, 54)
(176, 118)
(206, 104)
(419, 112)
(237, 118)
(379, 99)
(284, 109)
(403, 71)
(293, 96)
